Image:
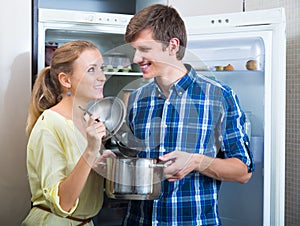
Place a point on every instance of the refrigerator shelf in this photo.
(231, 72)
(124, 73)
(236, 74)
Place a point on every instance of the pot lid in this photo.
(111, 111)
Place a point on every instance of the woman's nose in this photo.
(101, 76)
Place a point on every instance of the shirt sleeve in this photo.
(53, 198)
(236, 141)
(51, 163)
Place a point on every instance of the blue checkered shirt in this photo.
(200, 116)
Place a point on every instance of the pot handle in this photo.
(101, 163)
(161, 164)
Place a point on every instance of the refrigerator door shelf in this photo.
(236, 51)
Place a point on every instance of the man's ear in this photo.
(174, 44)
(64, 80)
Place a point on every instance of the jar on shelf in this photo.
(50, 47)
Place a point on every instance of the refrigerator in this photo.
(245, 50)
(223, 47)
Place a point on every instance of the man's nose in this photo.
(137, 58)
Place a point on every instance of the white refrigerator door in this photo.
(262, 92)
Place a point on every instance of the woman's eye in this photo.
(91, 69)
(102, 67)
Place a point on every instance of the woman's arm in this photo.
(70, 189)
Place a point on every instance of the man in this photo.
(185, 116)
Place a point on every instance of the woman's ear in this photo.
(64, 80)
(174, 46)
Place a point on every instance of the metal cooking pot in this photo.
(134, 178)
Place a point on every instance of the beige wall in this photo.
(203, 7)
(15, 45)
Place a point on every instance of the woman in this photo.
(63, 147)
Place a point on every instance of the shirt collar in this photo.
(182, 84)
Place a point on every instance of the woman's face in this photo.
(88, 79)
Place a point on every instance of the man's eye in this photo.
(91, 69)
(144, 49)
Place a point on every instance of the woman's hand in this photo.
(100, 163)
(95, 131)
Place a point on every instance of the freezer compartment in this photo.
(212, 54)
(105, 41)
(117, 55)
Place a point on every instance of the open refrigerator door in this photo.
(246, 51)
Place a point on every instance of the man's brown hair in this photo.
(164, 22)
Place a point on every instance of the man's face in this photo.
(150, 55)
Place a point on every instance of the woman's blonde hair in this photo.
(47, 90)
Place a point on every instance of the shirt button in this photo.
(180, 93)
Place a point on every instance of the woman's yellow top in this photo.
(54, 147)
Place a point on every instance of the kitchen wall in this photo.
(15, 86)
(202, 7)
